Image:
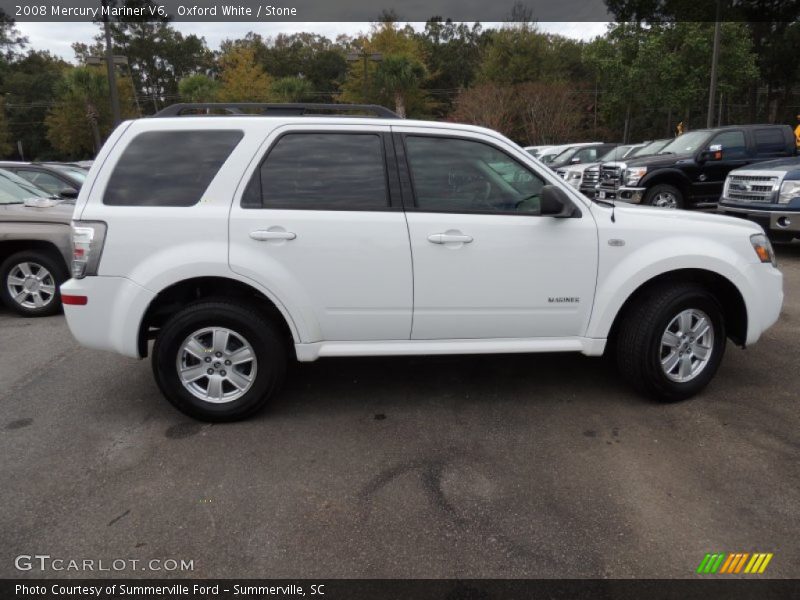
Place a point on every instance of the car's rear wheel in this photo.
(671, 341)
(29, 283)
(219, 360)
(664, 196)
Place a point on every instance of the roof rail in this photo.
(269, 109)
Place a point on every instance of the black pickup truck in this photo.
(690, 171)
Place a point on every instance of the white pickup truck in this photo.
(239, 242)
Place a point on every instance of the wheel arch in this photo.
(672, 177)
(12, 246)
(730, 298)
(175, 296)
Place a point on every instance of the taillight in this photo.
(87, 246)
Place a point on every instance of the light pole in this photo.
(112, 77)
(712, 90)
(118, 60)
(362, 54)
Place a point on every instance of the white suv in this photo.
(241, 242)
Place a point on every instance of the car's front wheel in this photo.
(671, 341)
(29, 282)
(664, 196)
(219, 360)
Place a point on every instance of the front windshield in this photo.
(15, 190)
(651, 148)
(686, 143)
(615, 153)
(75, 173)
(549, 157)
(562, 156)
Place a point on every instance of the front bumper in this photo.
(633, 195)
(764, 300)
(112, 314)
(776, 221)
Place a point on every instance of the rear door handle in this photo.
(264, 235)
(445, 238)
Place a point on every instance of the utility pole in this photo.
(112, 76)
(714, 60)
(365, 56)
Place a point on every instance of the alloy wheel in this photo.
(31, 285)
(216, 364)
(686, 345)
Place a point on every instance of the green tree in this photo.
(292, 89)
(5, 140)
(81, 116)
(198, 88)
(397, 76)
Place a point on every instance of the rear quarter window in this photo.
(169, 168)
(770, 141)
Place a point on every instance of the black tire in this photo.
(56, 275)
(651, 196)
(262, 334)
(638, 343)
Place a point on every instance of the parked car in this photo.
(535, 151)
(690, 171)
(54, 178)
(240, 244)
(767, 193)
(34, 246)
(549, 154)
(585, 176)
(580, 154)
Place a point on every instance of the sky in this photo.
(58, 37)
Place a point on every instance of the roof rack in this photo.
(269, 109)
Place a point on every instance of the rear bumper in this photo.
(110, 318)
(777, 221)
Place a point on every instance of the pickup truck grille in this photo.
(610, 176)
(591, 176)
(751, 188)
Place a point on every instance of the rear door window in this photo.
(321, 171)
(169, 168)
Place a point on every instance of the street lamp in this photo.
(362, 54)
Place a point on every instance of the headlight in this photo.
(634, 174)
(763, 248)
(573, 178)
(789, 190)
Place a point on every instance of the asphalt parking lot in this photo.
(499, 466)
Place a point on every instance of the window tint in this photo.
(321, 171)
(454, 175)
(770, 141)
(169, 168)
(732, 142)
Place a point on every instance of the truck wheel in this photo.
(664, 196)
(671, 341)
(219, 360)
(29, 282)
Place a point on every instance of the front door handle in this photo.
(264, 235)
(453, 238)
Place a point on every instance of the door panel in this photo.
(486, 265)
(519, 277)
(342, 257)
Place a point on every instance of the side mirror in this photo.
(575, 160)
(714, 152)
(68, 192)
(555, 203)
